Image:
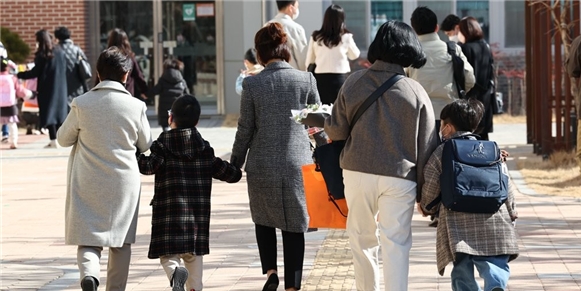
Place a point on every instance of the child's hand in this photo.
(420, 210)
(503, 155)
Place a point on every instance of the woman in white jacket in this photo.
(106, 128)
(330, 49)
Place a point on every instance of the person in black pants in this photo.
(329, 52)
(293, 244)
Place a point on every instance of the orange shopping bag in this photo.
(324, 211)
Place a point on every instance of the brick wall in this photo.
(27, 17)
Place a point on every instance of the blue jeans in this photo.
(494, 270)
(4, 130)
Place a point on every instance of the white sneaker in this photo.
(51, 145)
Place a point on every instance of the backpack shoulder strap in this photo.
(451, 48)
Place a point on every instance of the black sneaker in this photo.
(178, 279)
(434, 223)
(271, 283)
(89, 284)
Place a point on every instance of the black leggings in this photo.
(293, 249)
(52, 129)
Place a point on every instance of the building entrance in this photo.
(160, 29)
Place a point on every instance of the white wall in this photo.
(242, 19)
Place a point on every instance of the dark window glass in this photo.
(477, 9)
(514, 33)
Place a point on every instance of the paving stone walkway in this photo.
(34, 256)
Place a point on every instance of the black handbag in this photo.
(327, 156)
(83, 68)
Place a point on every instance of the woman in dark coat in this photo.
(170, 86)
(50, 69)
(118, 37)
(478, 53)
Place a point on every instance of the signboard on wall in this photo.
(205, 9)
(189, 12)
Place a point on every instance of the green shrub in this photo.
(17, 49)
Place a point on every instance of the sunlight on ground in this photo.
(558, 175)
(230, 120)
(509, 119)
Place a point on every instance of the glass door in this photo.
(136, 19)
(188, 32)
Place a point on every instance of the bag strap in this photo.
(373, 97)
(332, 199)
(452, 52)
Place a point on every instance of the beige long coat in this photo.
(106, 127)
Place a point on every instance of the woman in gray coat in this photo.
(277, 148)
(106, 127)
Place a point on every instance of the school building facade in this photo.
(212, 36)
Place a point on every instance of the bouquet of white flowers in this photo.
(311, 109)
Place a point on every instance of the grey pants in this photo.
(88, 259)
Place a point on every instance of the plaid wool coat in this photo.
(477, 234)
(276, 146)
(184, 165)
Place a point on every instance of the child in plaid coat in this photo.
(184, 165)
(483, 241)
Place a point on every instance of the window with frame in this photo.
(477, 9)
(382, 11)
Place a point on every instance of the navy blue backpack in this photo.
(473, 177)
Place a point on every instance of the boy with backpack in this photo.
(477, 202)
(184, 165)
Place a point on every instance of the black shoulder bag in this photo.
(327, 156)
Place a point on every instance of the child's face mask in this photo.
(444, 132)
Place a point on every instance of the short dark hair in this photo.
(271, 43)
(396, 43)
(113, 63)
(464, 115)
(62, 33)
(185, 111)
(173, 63)
(450, 22)
(470, 28)
(283, 4)
(250, 55)
(424, 20)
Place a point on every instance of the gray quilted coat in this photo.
(277, 147)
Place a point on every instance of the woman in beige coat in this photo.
(106, 127)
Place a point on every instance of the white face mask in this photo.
(296, 15)
(454, 38)
(442, 137)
